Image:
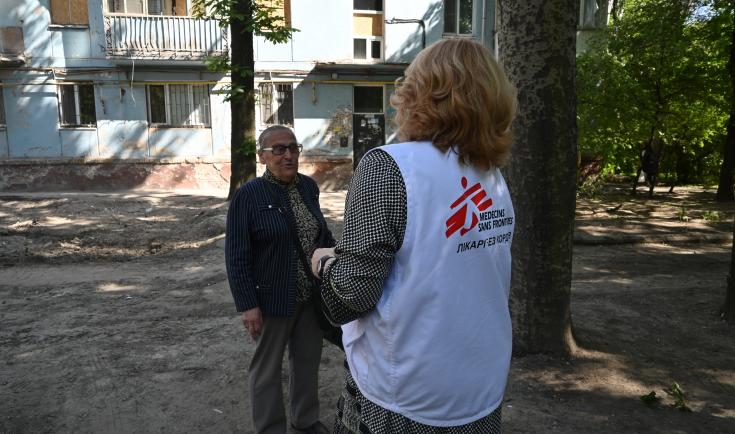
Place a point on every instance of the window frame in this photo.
(369, 11)
(382, 99)
(77, 106)
(273, 102)
(146, 12)
(167, 106)
(458, 19)
(368, 49)
(67, 22)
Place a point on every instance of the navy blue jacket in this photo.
(260, 252)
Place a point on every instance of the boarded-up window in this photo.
(69, 12)
(179, 105)
(276, 108)
(76, 105)
(367, 24)
(278, 8)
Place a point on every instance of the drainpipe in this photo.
(411, 21)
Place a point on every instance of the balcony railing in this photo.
(164, 37)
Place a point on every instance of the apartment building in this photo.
(116, 94)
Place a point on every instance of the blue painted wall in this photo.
(66, 54)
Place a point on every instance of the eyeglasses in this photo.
(280, 149)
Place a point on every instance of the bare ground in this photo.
(115, 316)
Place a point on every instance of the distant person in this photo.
(421, 277)
(274, 224)
(649, 160)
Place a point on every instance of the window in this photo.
(276, 103)
(368, 99)
(367, 5)
(179, 105)
(367, 31)
(148, 7)
(76, 105)
(69, 12)
(2, 108)
(368, 48)
(278, 8)
(458, 17)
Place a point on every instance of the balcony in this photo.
(163, 37)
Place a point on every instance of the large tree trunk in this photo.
(725, 188)
(729, 308)
(242, 105)
(726, 181)
(537, 47)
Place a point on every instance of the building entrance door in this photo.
(368, 121)
(368, 132)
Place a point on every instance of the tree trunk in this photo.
(728, 309)
(537, 48)
(242, 105)
(725, 191)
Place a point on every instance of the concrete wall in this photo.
(323, 118)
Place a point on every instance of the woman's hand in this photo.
(318, 254)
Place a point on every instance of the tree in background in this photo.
(725, 188)
(244, 18)
(537, 47)
(657, 76)
(726, 177)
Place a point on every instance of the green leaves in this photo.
(262, 21)
(659, 74)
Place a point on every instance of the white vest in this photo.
(437, 347)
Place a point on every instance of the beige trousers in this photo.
(303, 336)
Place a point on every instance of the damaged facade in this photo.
(115, 93)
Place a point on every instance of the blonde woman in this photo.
(420, 279)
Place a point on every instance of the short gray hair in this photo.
(263, 138)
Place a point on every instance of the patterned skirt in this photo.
(358, 415)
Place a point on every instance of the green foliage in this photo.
(248, 147)
(658, 75)
(262, 22)
(591, 186)
(676, 392)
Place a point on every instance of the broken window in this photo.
(76, 105)
(179, 105)
(458, 17)
(276, 103)
(69, 12)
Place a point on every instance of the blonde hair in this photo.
(457, 96)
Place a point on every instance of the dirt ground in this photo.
(116, 317)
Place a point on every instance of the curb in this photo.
(700, 238)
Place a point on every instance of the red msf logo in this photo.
(457, 221)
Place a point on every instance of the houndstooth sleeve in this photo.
(374, 225)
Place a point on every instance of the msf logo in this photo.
(457, 222)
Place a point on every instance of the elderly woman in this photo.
(274, 224)
(420, 279)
